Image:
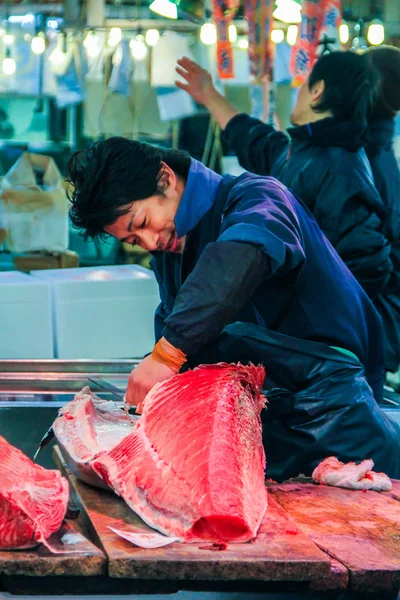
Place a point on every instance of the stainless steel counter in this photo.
(32, 391)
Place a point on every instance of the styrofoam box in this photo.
(102, 312)
(25, 317)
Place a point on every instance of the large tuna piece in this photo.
(33, 500)
(87, 427)
(194, 465)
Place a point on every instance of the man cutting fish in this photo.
(245, 274)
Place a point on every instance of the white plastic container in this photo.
(25, 317)
(102, 312)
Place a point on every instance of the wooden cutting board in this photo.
(359, 529)
(77, 556)
(281, 551)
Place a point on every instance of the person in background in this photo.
(322, 159)
(245, 274)
(380, 152)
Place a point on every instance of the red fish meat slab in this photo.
(194, 465)
(33, 500)
(86, 427)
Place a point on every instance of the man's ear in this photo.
(167, 177)
(317, 91)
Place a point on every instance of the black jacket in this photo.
(387, 180)
(325, 165)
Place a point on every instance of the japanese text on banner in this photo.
(319, 18)
(223, 13)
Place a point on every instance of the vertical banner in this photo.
(223, 13)
(318, 32)
(258, 14)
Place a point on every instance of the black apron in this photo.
(319, 402)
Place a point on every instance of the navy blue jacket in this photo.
(258, 256)
(325, 165)
(387, 180)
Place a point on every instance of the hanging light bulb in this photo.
(277, 36)
(8, 39)
(243, 43)
(165, 8)
(138, 47)
(376, 33)
(115, 36)
(208, 34)
(38, 44)
(287, 11)
(92, 45)
(344, 34)
(232, 33)
(59, 57)
(291, 34)
(8, 65)
(152, 37)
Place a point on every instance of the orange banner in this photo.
(223, 13)
(319, 18)
(258, 14)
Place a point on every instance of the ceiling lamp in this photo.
(8, 65)
(164, 8)
(138, 47)
(92, 43)
(38, 44)
(186, 9)
(291, 34)
(115, 36)
(208, 34)
(277, 36)
(344, 34)
(58, 57)
(232, 33)
(376, 33)
(287, 11)
(152, 36)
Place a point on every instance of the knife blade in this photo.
(46, 439)
(117, 392)
(109, 387)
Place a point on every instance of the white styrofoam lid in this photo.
(14, 277)
(19, 287)
(100, 282)
(108, 273)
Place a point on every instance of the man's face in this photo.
(150, 223)
(302, 112)
(301, 108)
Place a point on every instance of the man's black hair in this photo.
(386, 59)
(351, 84)
(113, 173)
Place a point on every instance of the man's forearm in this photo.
(220, 109)
(224, 279)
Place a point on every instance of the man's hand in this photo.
(199, 82)
(142, 379)
(200, 86)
